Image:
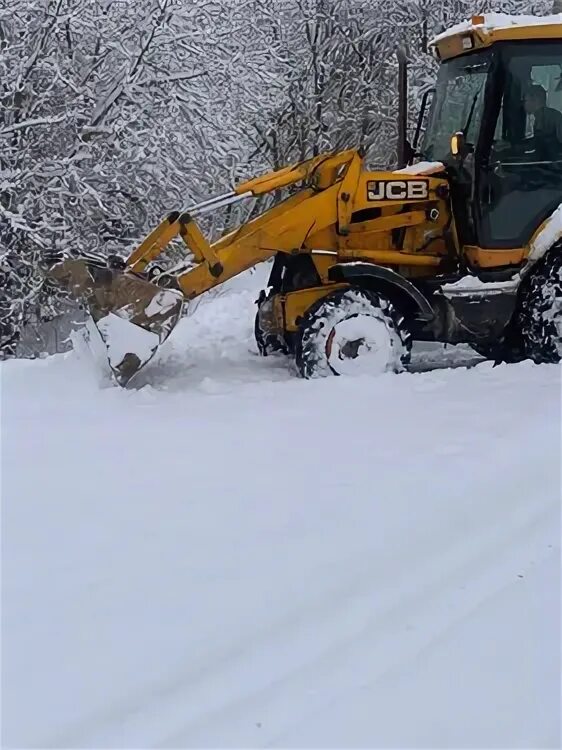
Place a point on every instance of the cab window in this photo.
(523, 180)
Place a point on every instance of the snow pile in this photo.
(422, 167)
(548, 236)
(468, 285)
(228, 556)
(123, 337)
(162, 302)
(493, 21)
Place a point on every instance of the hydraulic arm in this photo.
(333, 207)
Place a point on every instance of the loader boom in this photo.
(320, 170)
(334, 210)
(333, 188)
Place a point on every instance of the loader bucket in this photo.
(132, 316)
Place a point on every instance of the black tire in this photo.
(325, 345)
(539, 316)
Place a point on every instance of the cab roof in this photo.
(484, 30)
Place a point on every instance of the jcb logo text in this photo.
(397, 190)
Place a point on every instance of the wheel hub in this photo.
(358, 344)
(350, 350)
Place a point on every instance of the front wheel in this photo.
(540, 310)
(352, 331)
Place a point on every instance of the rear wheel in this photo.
(352, 331)
(540, 310)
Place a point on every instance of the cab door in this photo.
(521, 180)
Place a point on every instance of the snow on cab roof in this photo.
(494, 21)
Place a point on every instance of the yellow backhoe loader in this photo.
(461, 244)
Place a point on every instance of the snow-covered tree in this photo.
(115, 112)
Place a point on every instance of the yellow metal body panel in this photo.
(282, 313)
(152, 245)
(295, 304)
(481, 258)
(479, 36)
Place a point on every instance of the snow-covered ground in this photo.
(228, 556)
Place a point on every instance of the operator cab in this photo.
(496, 123)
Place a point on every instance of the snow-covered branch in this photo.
(32, 123)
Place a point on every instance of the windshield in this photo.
(458, 105)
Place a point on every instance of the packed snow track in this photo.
(227, 556)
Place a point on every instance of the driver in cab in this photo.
(547, 122)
